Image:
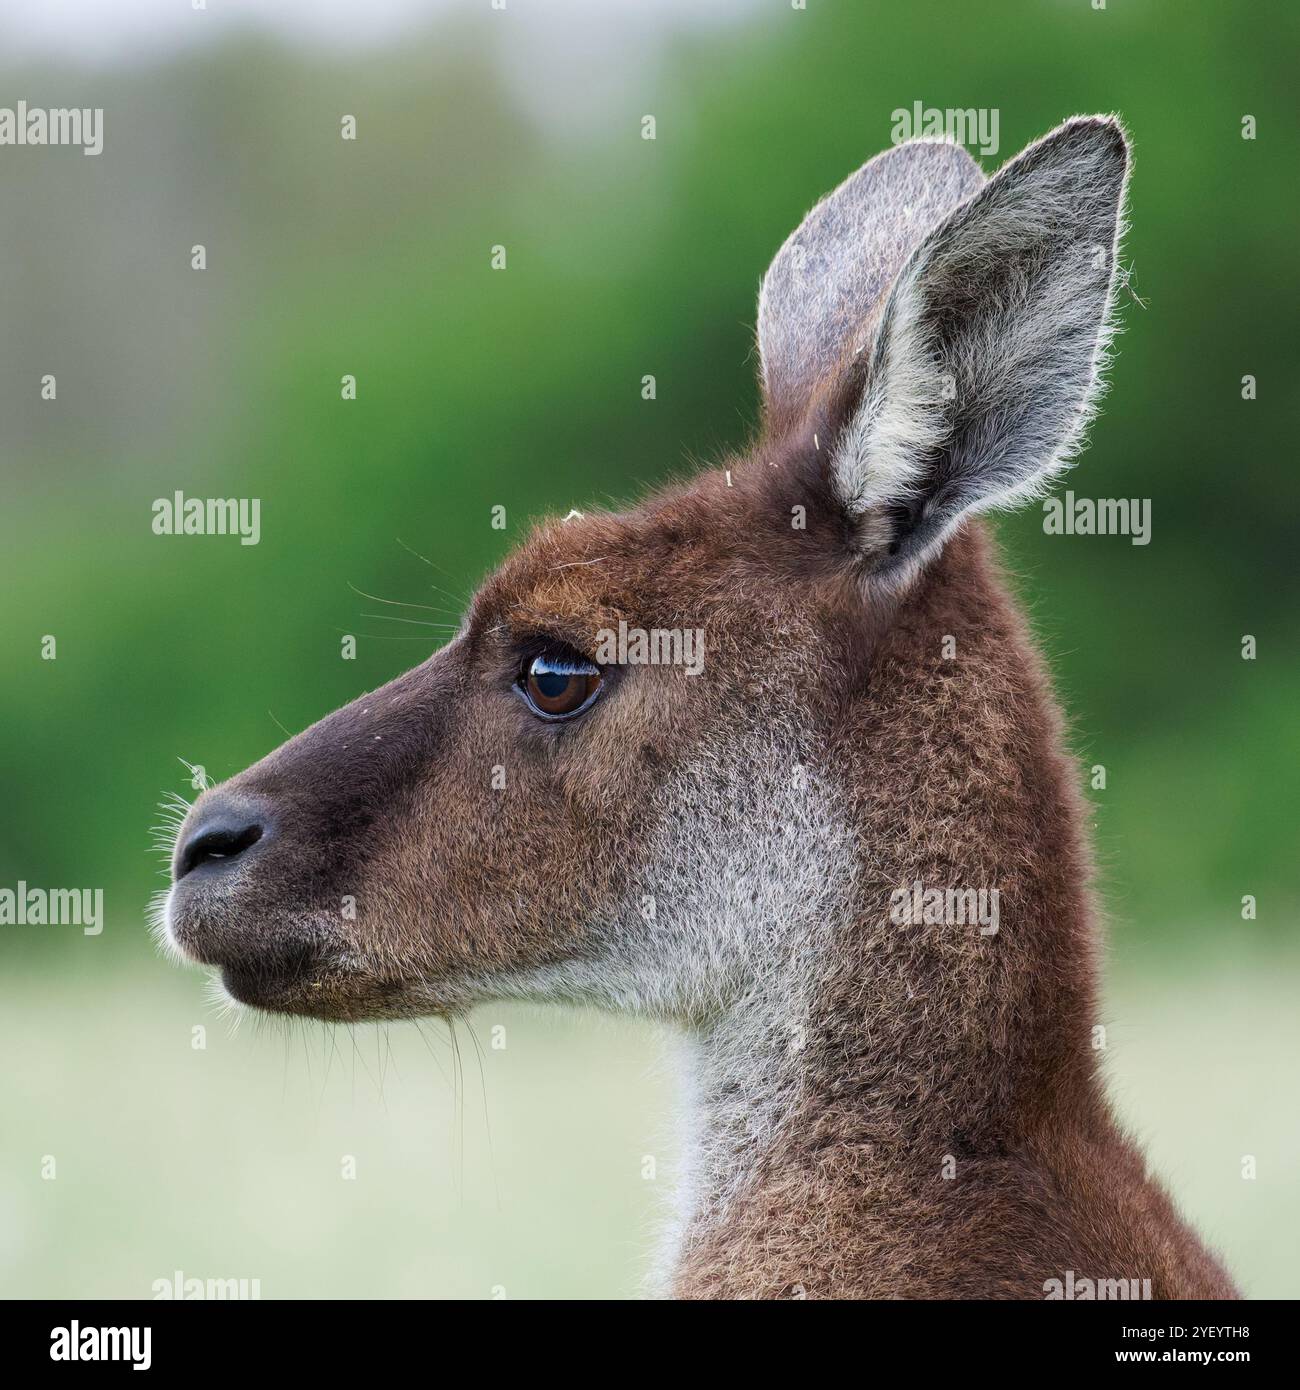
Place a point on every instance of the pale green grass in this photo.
(524, 1175)
(1204, 1063)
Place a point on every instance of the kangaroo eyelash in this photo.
(562, 665)
(553, 650)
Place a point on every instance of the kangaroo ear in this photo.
(983, 370)
(824, 289)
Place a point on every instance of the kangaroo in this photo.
(771, 843)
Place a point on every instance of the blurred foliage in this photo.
(522, 388)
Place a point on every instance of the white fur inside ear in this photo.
(987, 365)
(880, 457)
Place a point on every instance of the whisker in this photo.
(487, 1118)
(357, 1057)
(382, 636)
(436, 1059)
(327, 1036)
(306, 1051)
(379, 1064)
(172, 810)
(397, 602)
(418, 622)
(194, 769)
(458, 1113)
(389, 1060)
(416, 553)
(461, 601)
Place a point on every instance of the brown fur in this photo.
(937, 1043)
(930, 1042)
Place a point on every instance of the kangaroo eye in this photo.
(556, 686)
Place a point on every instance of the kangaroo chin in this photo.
(772, 758)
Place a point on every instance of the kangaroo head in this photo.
(623, 780)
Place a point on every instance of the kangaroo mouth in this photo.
(277, 961)
(314, 987)
(294, 967)
(294, 981)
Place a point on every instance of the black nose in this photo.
(221, 834)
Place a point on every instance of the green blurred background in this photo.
(482, 1168)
